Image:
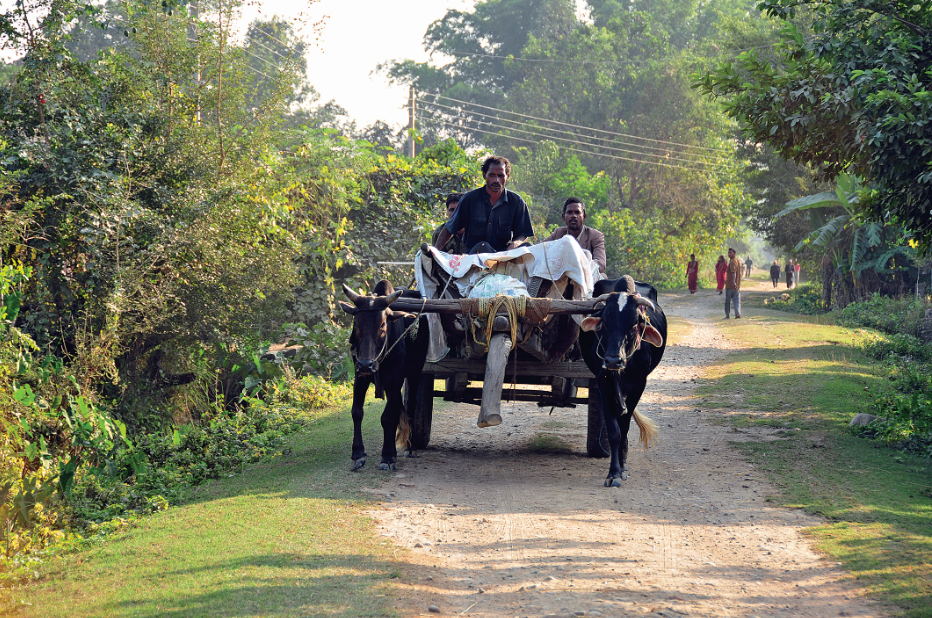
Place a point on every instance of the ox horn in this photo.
(645, 302)
(350, 294)
(383, 302)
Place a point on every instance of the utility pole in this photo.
(409, 146)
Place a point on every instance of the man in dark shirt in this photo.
(454, 246)
(574, 214)
(495, 219)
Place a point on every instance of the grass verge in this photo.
(286, 537)
(803, 375)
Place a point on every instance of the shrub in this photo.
(162, 467)
(805, 299)
(904, 401)
(891, 315)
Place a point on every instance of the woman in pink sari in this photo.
(720, 267)
(692, 274)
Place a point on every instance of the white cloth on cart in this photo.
(560, 261)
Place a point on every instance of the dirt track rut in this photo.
(497, 529)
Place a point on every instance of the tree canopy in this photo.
(848, 88)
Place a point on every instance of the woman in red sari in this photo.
(692, 274)
(720, 267)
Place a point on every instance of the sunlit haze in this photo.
(355, 37)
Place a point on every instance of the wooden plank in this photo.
(450, 366)
(473, 395)
(490, 411)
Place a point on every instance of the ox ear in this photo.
(590, 323)
(652, 336)
(350, 309)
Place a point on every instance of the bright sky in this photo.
(356, 36)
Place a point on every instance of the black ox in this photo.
(387, 349)
(622, 344)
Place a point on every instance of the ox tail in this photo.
(647, 427)
(403, 433)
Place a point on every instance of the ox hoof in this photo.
(358, 463)
(615, 481)
(388, 467)
(411, 454)
(489, 421)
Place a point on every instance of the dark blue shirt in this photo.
(495, 224)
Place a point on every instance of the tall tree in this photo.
(853, 94)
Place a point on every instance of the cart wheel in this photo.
(423, 412)
(596, 436)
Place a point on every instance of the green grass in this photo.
(801, 372)
(285, 538)
(548, 443)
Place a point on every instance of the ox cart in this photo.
(520, 348)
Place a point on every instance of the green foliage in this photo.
(358, 208)
(806, 298)
(890, 315)
(324, 352)
(905, 399)
(162, 467)
(850, 95)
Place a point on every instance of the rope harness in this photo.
(639, 336)
(479, 311)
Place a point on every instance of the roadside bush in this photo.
(904, 402)
(805, 299)
(325, 349)
(161, 468)
(891, 315)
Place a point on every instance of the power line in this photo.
(666, 152)
(576, 126)
(570, 148)
(589, 144)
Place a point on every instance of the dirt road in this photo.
(497, 528)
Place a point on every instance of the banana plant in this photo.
(844, 235)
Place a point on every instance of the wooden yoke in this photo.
(537, 308)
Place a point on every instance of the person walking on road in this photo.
(733, 273)
(692, 274)
(748, 263)
(775, 273)
(790, 272)
(720, 267)
(796, 267)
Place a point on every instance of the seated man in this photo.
(494, 219)
(574, 214)
(455, 245)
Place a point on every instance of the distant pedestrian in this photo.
(797, 267)
(692, 274)
(775, 273)
(720, 267)
(748, 263)
(790, 273)
(733, 273)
